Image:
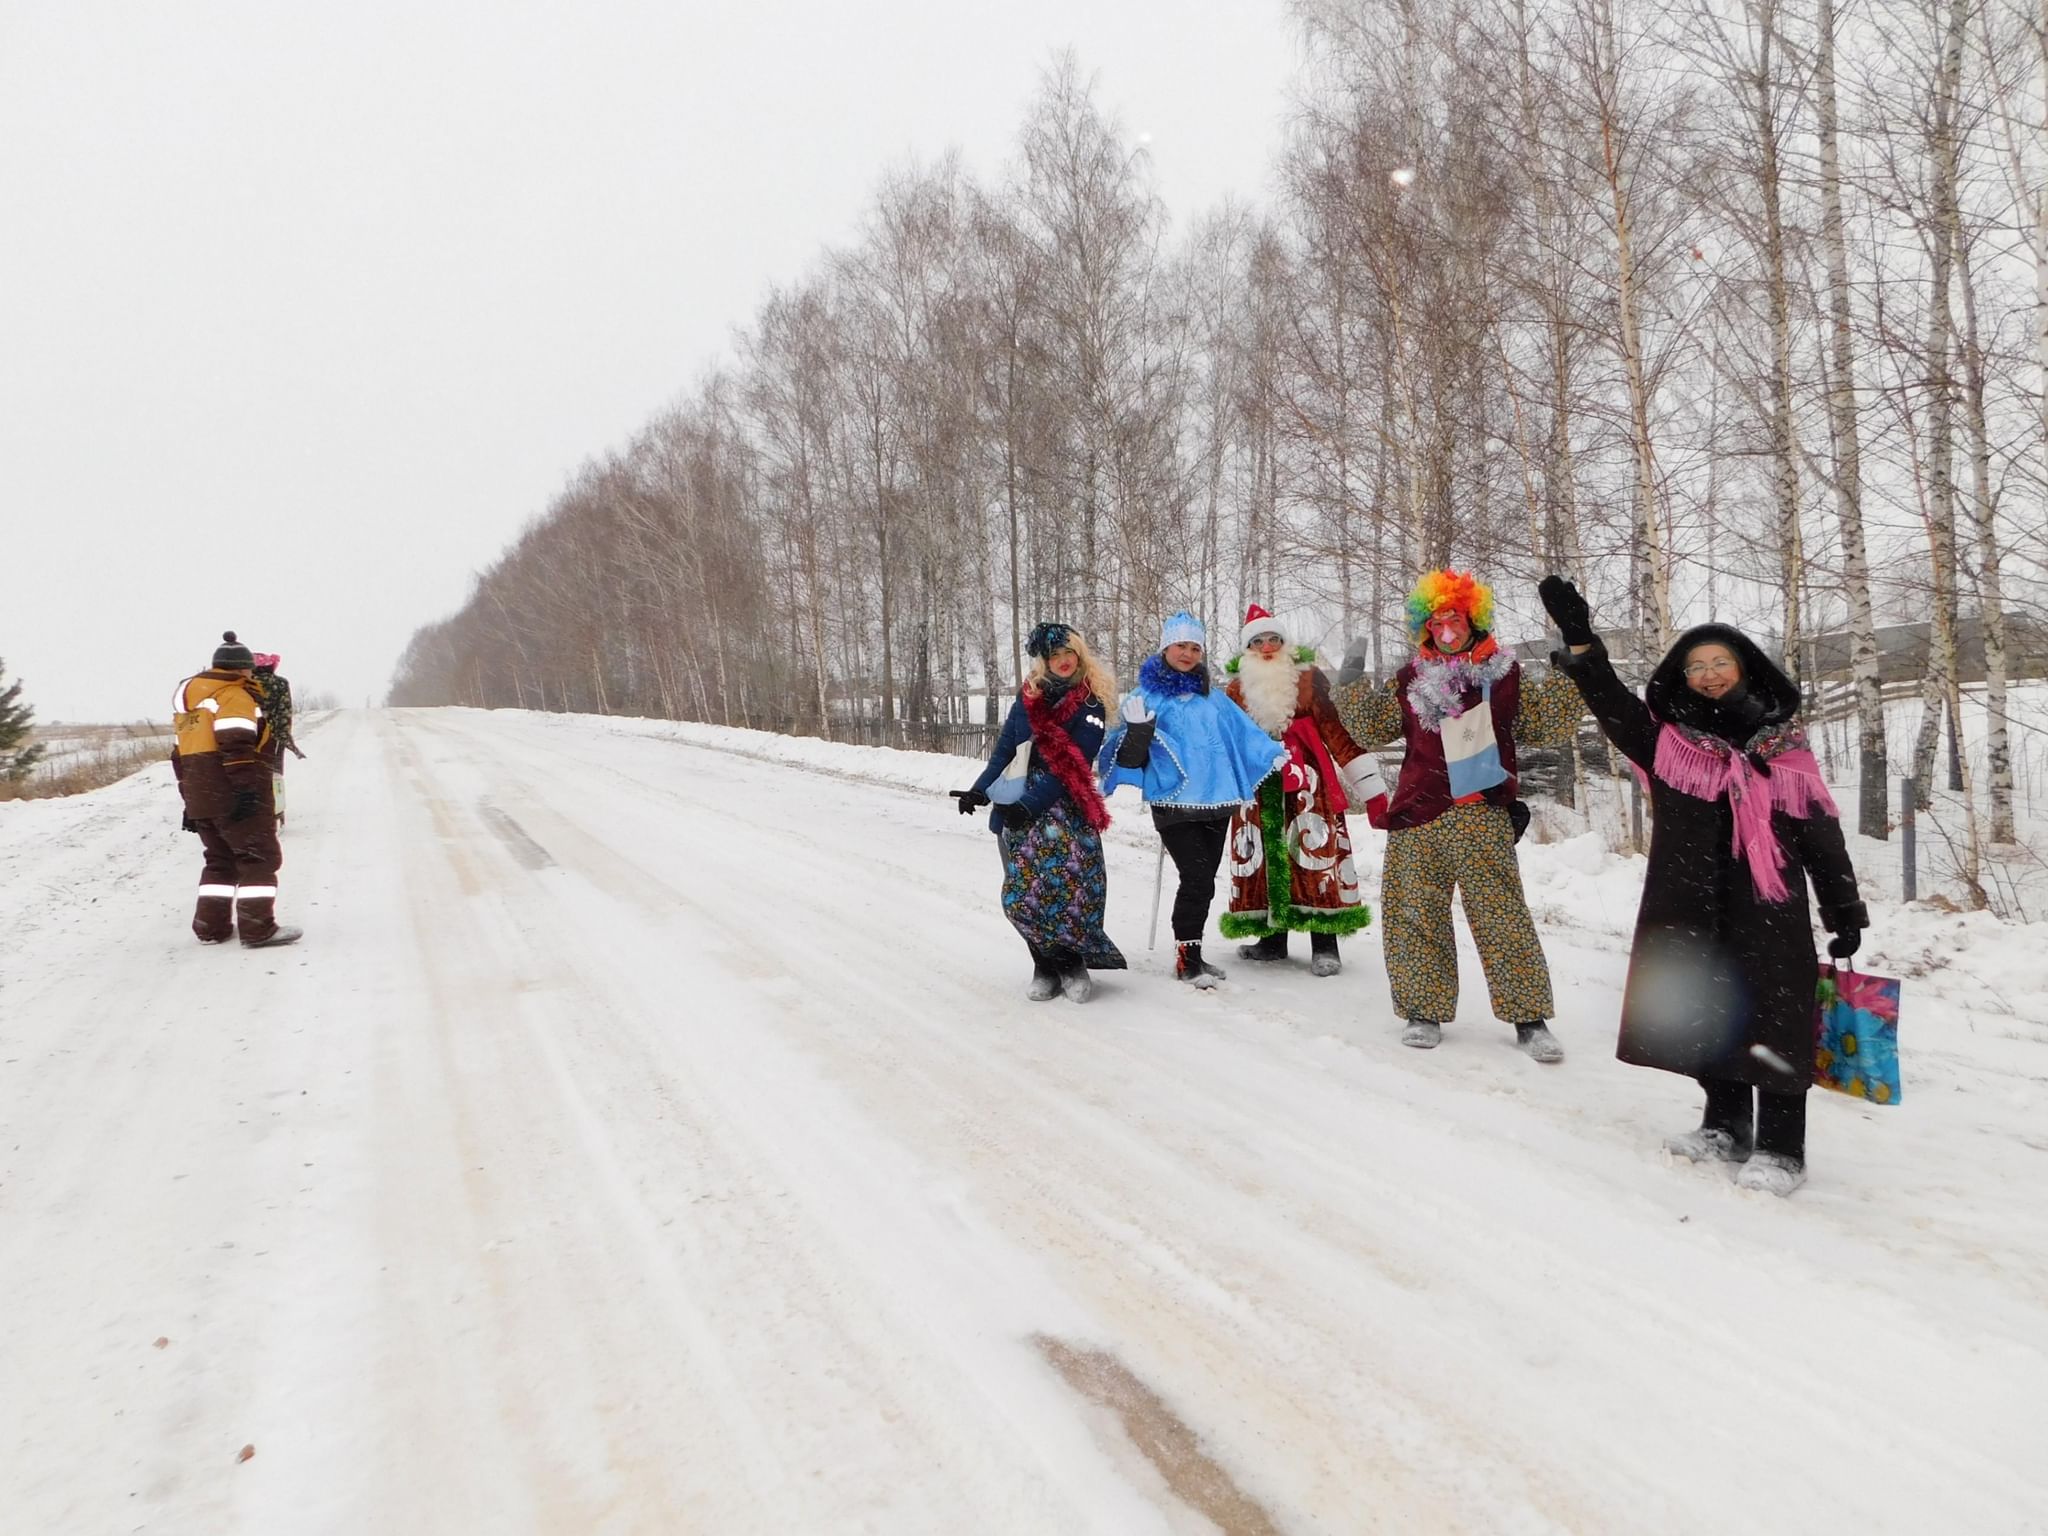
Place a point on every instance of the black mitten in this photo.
(1135, 750)
(1847, 925)
(1518, 813)
(971, 800)
(246, 801)
(1568, 610)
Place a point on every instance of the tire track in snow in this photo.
(1638, 1317)
(750, 1245)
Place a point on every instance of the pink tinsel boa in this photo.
(1707, 768)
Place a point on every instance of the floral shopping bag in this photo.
(1856, 1035)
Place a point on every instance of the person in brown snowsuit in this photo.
(225, 756)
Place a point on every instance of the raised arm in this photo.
(1323, 706)
(1370, 712)
(1624, 719)
(1550, 711)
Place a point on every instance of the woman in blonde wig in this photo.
(1049, 815)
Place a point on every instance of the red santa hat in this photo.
(1259, 622)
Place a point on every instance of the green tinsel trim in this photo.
(1282, 915)
(1279, 867)
(1256, 925)
(1244, 925)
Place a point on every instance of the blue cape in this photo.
(1207, 754)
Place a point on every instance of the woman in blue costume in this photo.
(1197, 757)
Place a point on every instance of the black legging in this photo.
(1779, 1119)
(1196, 848)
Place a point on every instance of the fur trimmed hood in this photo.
(1671, 700)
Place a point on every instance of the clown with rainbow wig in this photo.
(1460, 708)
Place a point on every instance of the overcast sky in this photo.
(305, 308)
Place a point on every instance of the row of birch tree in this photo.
(1729, 308)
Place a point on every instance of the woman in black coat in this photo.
(1722, 974)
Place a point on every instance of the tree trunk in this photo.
(1990, 582)
(1654, 594)
(1845, 433)
(1942, 151)
(1791, 549)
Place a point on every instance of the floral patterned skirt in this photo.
(1055, 886)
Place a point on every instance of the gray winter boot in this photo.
(1772, 1172)
(1708, 1144)
(1423, 1035)
(1077, 984)
(1539, 1042)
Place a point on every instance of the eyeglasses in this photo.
(1702, 668)
(1268, 639)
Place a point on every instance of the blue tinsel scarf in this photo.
(1158, 676)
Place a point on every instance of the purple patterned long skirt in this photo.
(1055, 885)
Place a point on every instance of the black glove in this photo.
(971, 800)
(1135, 750)
(1018, 817)
(1518, 813)
(1353, 668)
(1567, 609)
(246, 801)
(187, 824)
(1847, 925)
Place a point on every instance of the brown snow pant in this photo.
(238, 884)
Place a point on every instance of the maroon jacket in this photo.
(1423, 792)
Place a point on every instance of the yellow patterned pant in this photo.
(1469, 849)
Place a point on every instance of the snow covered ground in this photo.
(651, 1135)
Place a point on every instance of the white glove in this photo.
(1135, 709)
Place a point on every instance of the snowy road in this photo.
(650, 1139)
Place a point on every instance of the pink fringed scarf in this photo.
(1706, 767)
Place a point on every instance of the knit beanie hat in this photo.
(231, 655)
(1257, 621)
(1183, 629)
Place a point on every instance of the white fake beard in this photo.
(1271, 689)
